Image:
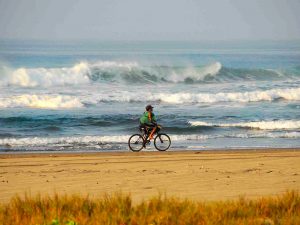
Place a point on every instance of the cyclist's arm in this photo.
(154, 121)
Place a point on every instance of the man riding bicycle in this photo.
(150, 128)
(148, 122)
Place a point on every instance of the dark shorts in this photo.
(147, 128)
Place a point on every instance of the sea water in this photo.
(89, 95)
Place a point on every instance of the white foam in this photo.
(42, 141)
(290, 94)
(67, 101)
(41, 101)
(190, 137)
(114, 64)
(122, 139)
(254, 96)
(197, 137)
(262, 125)
(283, 135)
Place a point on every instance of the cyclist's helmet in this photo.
(148, 107)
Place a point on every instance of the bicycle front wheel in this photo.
(136, 142)
(162, 142)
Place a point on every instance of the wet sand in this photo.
(197, 175)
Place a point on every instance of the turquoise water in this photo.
(88, 95)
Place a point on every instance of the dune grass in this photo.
(118, 209)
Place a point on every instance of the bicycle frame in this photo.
(152, 133)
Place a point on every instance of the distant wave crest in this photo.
(133, 72)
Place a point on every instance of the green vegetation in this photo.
(118, 209)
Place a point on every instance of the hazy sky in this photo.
(150, 19)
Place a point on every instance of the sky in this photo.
(150, 19)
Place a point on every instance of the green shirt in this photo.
(145, 118)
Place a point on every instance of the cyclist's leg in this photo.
(153, 130)
(146, 135)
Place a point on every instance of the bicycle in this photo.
(137, 142)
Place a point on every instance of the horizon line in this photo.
(149, 40)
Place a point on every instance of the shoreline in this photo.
(197, 175)
(126, 152)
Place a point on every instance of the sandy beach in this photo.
(197, 175)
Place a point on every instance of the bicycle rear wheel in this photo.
(136, 142)
(162, 142)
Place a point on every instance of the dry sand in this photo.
(197, 175)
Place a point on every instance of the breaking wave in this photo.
(261, 125)
(133, 72)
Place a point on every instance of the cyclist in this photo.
(148, 122)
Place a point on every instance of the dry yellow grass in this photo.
(118, 209)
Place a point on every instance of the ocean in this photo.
(72, 96)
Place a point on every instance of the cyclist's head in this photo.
(149, 108)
